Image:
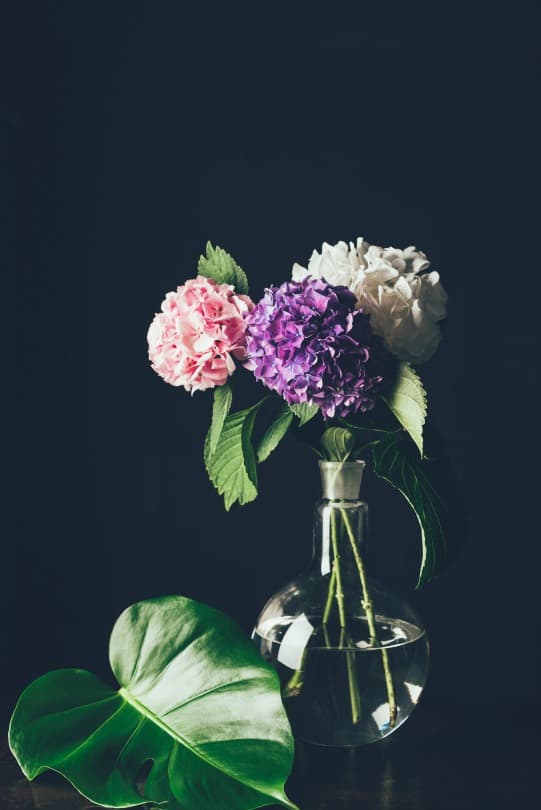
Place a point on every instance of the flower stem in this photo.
(352, 680)
(350, 655)
(326, 636)
(368, 608)
(294, 685)
(330, 595)
(336, 568)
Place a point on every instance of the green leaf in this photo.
(274, 433)
(232, 466)
(304, 412)
(398, 463)
(408, 403)
(223, 396)
(337, 443)
(196, 701)
(222, 268)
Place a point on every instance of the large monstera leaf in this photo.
(197, 704)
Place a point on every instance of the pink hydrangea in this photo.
(201, 327)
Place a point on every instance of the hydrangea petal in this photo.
(308, 341)
(199, 330)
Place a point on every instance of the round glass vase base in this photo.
(341, 733)
(338, 696)
(354, 740)
(352, 656)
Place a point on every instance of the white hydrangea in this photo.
(404, 301)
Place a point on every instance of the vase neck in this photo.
(340, 518)
(339, 527)
(341, 480)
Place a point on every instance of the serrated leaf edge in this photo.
(303, 420)
(418, 397)
(222, 273)
(284, 415)
(217, 422)
(248, 418)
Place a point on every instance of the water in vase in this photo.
(332, 683)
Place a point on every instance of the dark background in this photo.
(136, 132)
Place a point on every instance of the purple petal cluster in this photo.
(307, 341)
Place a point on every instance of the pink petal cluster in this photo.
(201, 327)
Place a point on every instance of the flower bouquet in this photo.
(334, 349)
(336, 344)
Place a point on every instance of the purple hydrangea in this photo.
(306, 341)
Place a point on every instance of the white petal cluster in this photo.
(405, 302)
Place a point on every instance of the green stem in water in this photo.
(352, 678)
(294, 685)
(350, 655)
(368, 608)
(326, 636)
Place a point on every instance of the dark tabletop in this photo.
(462, 758)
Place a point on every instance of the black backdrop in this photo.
(137, 131)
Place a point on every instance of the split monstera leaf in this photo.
(197, 710)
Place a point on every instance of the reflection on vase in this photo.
(352, 657)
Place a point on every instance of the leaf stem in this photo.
(369, 610)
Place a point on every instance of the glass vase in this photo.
(352, 657)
